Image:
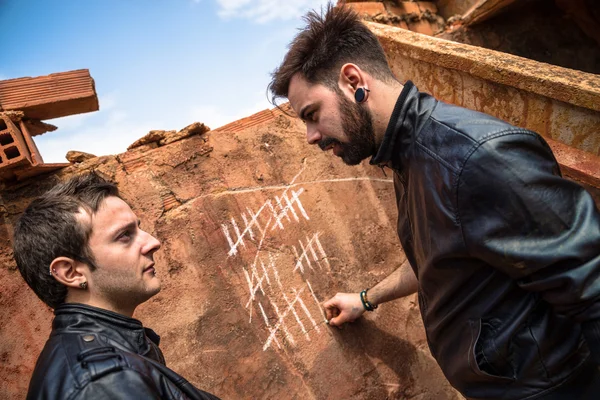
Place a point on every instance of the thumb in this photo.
(336, 321)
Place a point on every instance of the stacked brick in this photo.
(24, 102)
(13, 149)
(417, 16)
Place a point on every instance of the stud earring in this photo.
(83, 285)
(361, 95)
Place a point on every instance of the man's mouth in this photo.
(331, 144)
(150, 269)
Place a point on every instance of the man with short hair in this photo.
(81, 249)
(503, 252)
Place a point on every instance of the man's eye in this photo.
(125, 236)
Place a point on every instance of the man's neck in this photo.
(85, 298)
(382, 109)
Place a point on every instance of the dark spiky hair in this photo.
(49, 228)
(331, 38)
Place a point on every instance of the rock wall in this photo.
(539, 30)
(562, 105)
(559, 32)
(257, 230)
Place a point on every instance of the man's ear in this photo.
(351, 77)
(68, 272)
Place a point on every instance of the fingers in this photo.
(342, 308)
(331, 313)
(331, 307)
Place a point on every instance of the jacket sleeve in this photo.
(519, 215)
(124, 384)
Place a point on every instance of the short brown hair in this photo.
(330, 39)
(49, 228)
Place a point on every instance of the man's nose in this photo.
(151, 245)
(313, 136)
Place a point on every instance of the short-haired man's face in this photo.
(333, 121)
(125, 275)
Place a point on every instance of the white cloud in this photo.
(266, 10)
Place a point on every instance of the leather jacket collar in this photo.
(128, 332)
(410, 113)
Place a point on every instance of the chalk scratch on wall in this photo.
(266, 292)
(303, 259)
(280, 207)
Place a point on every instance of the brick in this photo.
(37, 128)
(28, 172)
(253, 120)
(13, 149)
(52, 96)
(368, 8)
(409, 7)
(133, 160)
(576, 164)
(19, 156)
(405, 7)
(427, 6)
(422, 26)
(36, 157)
(401, 24)
(169, 201)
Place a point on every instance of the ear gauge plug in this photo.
(361, 95)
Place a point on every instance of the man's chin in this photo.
(154, 288)
(351, 161)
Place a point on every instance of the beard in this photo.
(357, 124)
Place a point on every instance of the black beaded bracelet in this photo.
(365, 302)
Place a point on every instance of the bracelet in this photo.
(365, 301)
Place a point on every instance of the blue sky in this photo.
(157, 64)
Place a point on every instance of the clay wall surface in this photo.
(558, 103)
(539, 30)
(257, 229)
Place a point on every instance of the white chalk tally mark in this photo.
(308, 251)
(286, 308)
(278, 211)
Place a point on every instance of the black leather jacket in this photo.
(98, 354)
(506, 252)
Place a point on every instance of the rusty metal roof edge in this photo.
(570, 86)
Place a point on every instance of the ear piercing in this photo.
(361, 95)
(83, 285)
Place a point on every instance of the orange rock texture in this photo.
(257, 230)
(559, 103)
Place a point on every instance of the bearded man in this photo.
(503, 252)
